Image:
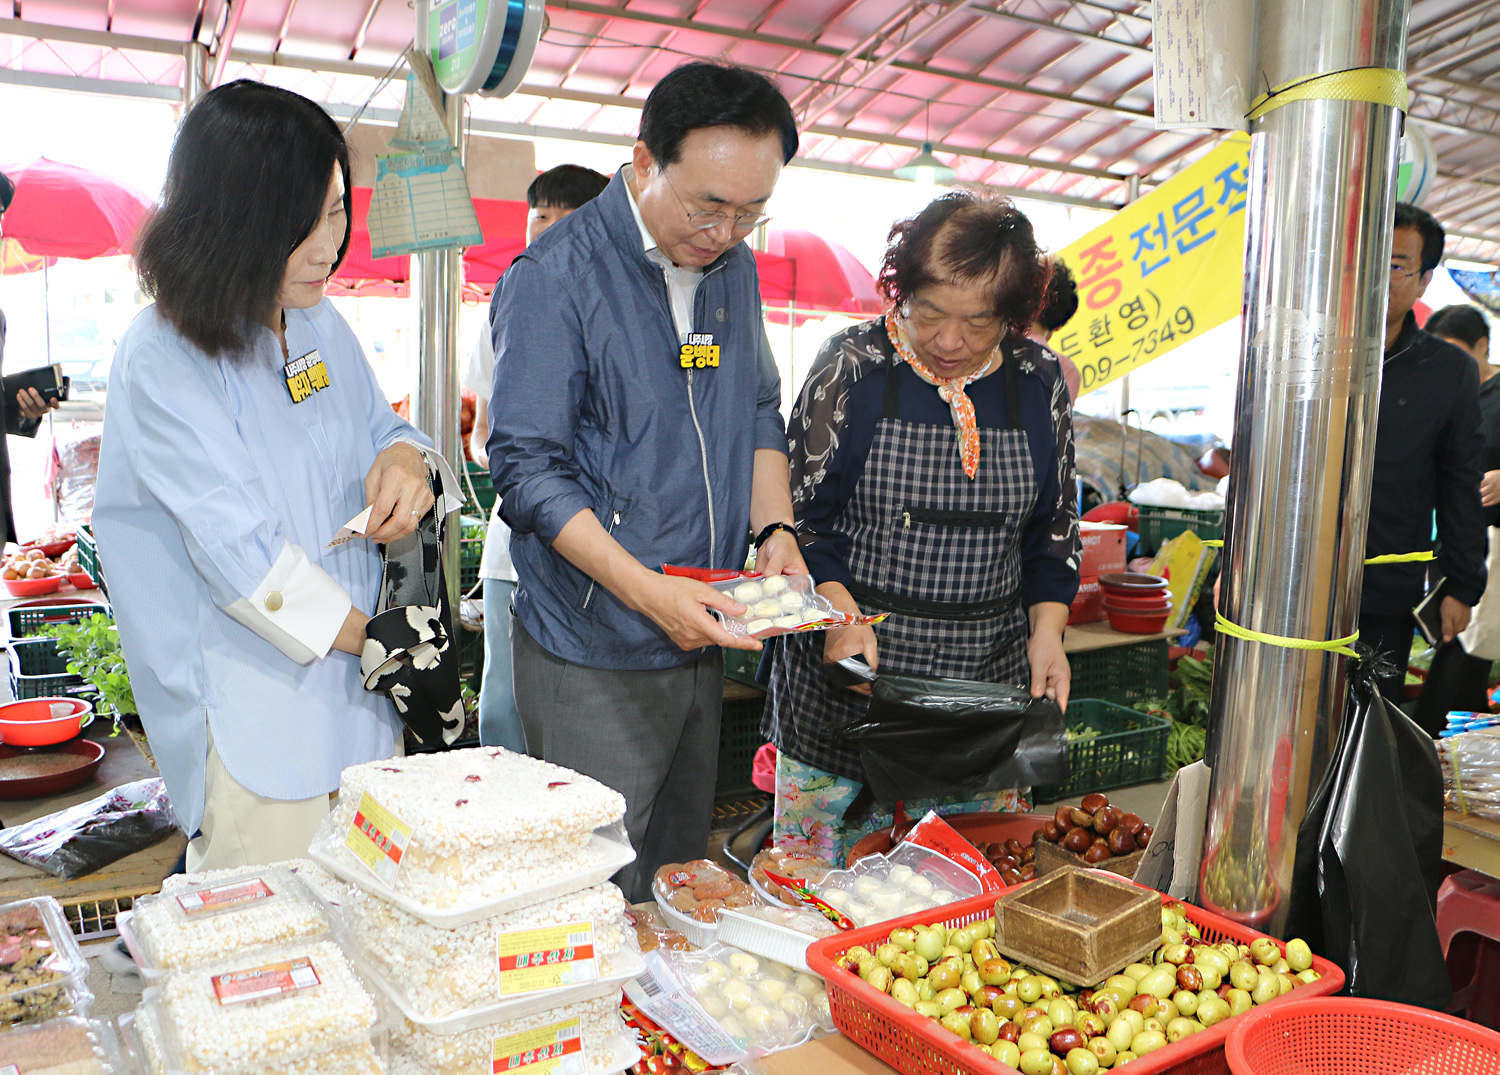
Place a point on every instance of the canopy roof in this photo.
(1047, 97)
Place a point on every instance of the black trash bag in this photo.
(1369, 855)
(91, 835)
(926, 736)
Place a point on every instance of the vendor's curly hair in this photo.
(966, 237)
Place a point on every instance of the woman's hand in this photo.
(1050, 674)
(397, 492)
(780, 556)
(848, 641)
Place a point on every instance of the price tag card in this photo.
(222, 897)
(548, 1050)
(378, 838)
(545, 958)
(272, 980)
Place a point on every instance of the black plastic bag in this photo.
(929, 735)
(1369, 855)
(91, 835)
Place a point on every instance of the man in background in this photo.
(1058, 307)
(1428, 460)
(552, 195)
(23, 410)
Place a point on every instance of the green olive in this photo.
(1298, 954)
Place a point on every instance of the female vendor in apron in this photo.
(932, 474)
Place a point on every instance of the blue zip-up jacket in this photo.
(590, 412)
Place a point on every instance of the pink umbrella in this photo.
(65, 211)
(826, 278)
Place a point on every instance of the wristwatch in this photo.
(765, 535)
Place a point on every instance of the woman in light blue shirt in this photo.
(244, 428)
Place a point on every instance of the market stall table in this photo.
(1089, 637)
(1472, 842)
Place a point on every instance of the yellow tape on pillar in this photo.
(1387, 558)
(1377, 85)
(1333, 645)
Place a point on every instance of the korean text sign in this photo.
(1166, 268)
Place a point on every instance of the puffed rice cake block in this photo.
(171, 938)
(59, 1047)
(472, 1051)
(333, 1018)
(485, 822)
(443, 971)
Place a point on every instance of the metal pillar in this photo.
(194, 72)
(1321, 191)
(435, 283)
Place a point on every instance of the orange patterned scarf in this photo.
(950, 392)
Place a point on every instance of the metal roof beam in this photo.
(588, 8)
(107, 87)
(1463, 14)
(1068, 31)
(103, 38)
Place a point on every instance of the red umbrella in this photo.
(13, 259)
(503, 223)
(65, 211)
(825, 278)
(361, 274)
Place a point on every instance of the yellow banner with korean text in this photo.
(1164, 269)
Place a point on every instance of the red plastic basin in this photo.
(33, 723)
(1136, 621)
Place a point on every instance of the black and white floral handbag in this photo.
(411, 649)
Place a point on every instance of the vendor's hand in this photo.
(1489, 488)
(780, 556)
(1050, 674)
(1455, 617)
(679, 606)
(396, 490)
(855, 641)
(32, 405)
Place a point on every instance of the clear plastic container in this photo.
(908, 880)
(198, 921)
(598, 1029)
(293, 1007)
(68, 1045)
(609, 851)
(45, 975)
(779, 934)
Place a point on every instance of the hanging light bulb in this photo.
(925, 169)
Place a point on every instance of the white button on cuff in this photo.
(273, 600)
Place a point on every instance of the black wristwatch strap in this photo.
(765, 535)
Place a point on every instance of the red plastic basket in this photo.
(1344, 1036)
(916, 1045)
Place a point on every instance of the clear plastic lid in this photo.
(72, 1045)
(197, 921)
(42, 971)
(275, 1006)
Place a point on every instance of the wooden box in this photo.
(1050, 856)
(1078, 925)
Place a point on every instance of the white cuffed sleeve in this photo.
(298, 607)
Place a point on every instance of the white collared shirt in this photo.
(682, 282)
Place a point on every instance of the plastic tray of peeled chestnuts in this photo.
(929, 994)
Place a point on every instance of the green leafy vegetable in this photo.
(93, 651)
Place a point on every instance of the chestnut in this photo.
(1077, 840)
(1094, 802)
(1039, 834)
(1028, 871)
(1050, 830)
(1096, 853)
(1143, 837)
(1014, 846)
(1064, 818)
(1121, 842)
(1027, 854)
(1131, 823)
(1010, 877)
(1081, 818)
(1105, 819)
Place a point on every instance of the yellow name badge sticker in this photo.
(306, 375)
(545, 958)
(378, 838)
(700, 352)
(548, 1050)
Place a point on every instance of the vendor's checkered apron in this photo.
(938, 551)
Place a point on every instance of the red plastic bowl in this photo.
(33, 587)
(1142, 603)
(81, 580)
(1135, 621)
(1131, 582)
(14, 784)
(54, 549)
(33, 724)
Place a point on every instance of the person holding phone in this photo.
(244, 429)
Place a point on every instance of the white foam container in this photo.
(624, 965)
(610, 841)
(761, 938)
(698, 934)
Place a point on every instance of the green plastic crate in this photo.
(739, 739)
(1159, 525)
(478, 490)
(28, 620)
(1131, 748)
(1121, 674)
(37, 670)
(88, 557)
(741, 665)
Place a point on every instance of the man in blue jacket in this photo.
(636, 422)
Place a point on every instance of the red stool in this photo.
(1468, 921)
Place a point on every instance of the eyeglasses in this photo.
(704, 219)
(1400, 272)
